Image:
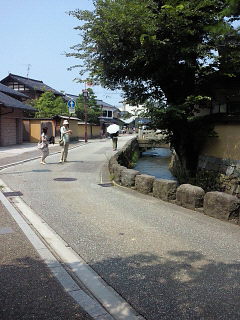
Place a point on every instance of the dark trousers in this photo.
(114, 140)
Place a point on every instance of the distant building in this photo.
(30, 87)
(110, 115)
(12, 111)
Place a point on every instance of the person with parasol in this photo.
(113, 130)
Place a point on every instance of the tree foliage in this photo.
(48, 105)
(166, 52)
(93, 110)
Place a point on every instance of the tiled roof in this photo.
(10, 102)
(67, 117)
(11, 92)
(37, 85)
(71, 96)
(104, 104)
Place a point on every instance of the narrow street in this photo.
(166, 261)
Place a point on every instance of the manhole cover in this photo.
(13, 194)
(105, 184)
(6, 230)
(65, 179)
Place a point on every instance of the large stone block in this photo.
(113, 161)
(221, 205)
(190, 196)
(117, 172)
(128, 177)
(165, 189)
(144, 183)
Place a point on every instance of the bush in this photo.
(134, 159)
(208, 180)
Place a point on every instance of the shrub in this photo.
(208, 180)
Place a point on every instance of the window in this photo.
(15, 85)
(107, 114)
(234, 107)
(21, 87)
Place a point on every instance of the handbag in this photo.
(61, 142)
(40, 145)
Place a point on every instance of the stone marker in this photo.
(190, 196)
(128, 177)
(165, 189)
(117, 172)
(144, 183)
(221, 205)
(113, 161)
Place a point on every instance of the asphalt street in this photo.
(166, 261)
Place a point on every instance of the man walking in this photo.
(65, 135)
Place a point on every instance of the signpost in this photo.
(71, 106)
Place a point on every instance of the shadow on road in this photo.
(29, 291)
(184, 286)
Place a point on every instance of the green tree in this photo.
(48, 105)
(93, 110)
(168, 53)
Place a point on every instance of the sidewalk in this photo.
(25, 151)
(28, 288)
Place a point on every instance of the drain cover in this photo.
(105, 184)
(13, 194)
(65, 179)
(6, 230)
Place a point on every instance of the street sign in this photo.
(71, 106)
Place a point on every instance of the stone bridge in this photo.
(145, 144)
(148, 139)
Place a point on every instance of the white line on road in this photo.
(108, 304)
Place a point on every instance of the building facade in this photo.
(12, 111)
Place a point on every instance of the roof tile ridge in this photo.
(16, 75)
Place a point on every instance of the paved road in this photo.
(28, 288)
(167, 261)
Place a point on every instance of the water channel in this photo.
(155, 162)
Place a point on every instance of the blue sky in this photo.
(37, 33)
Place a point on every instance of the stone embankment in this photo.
(215, 204)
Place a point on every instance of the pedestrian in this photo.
(114, 137)
(44, 141)
(65, 136)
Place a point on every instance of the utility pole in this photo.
(85, 96)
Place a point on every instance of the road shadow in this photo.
(185, 285)
(30, 291)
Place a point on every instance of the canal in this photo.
(155, 162)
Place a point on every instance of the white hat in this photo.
(65, 122)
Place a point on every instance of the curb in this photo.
(103, 302)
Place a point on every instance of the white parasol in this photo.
(113, 128)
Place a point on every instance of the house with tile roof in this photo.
(110, 115)
(32, 88)
(12, 108)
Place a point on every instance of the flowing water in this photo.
(155, 162)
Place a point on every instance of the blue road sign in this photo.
(71, 106)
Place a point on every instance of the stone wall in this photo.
(225, 166)
(11, 126)
(216, 204)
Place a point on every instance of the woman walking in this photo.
(65, 135)
(44, 141)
